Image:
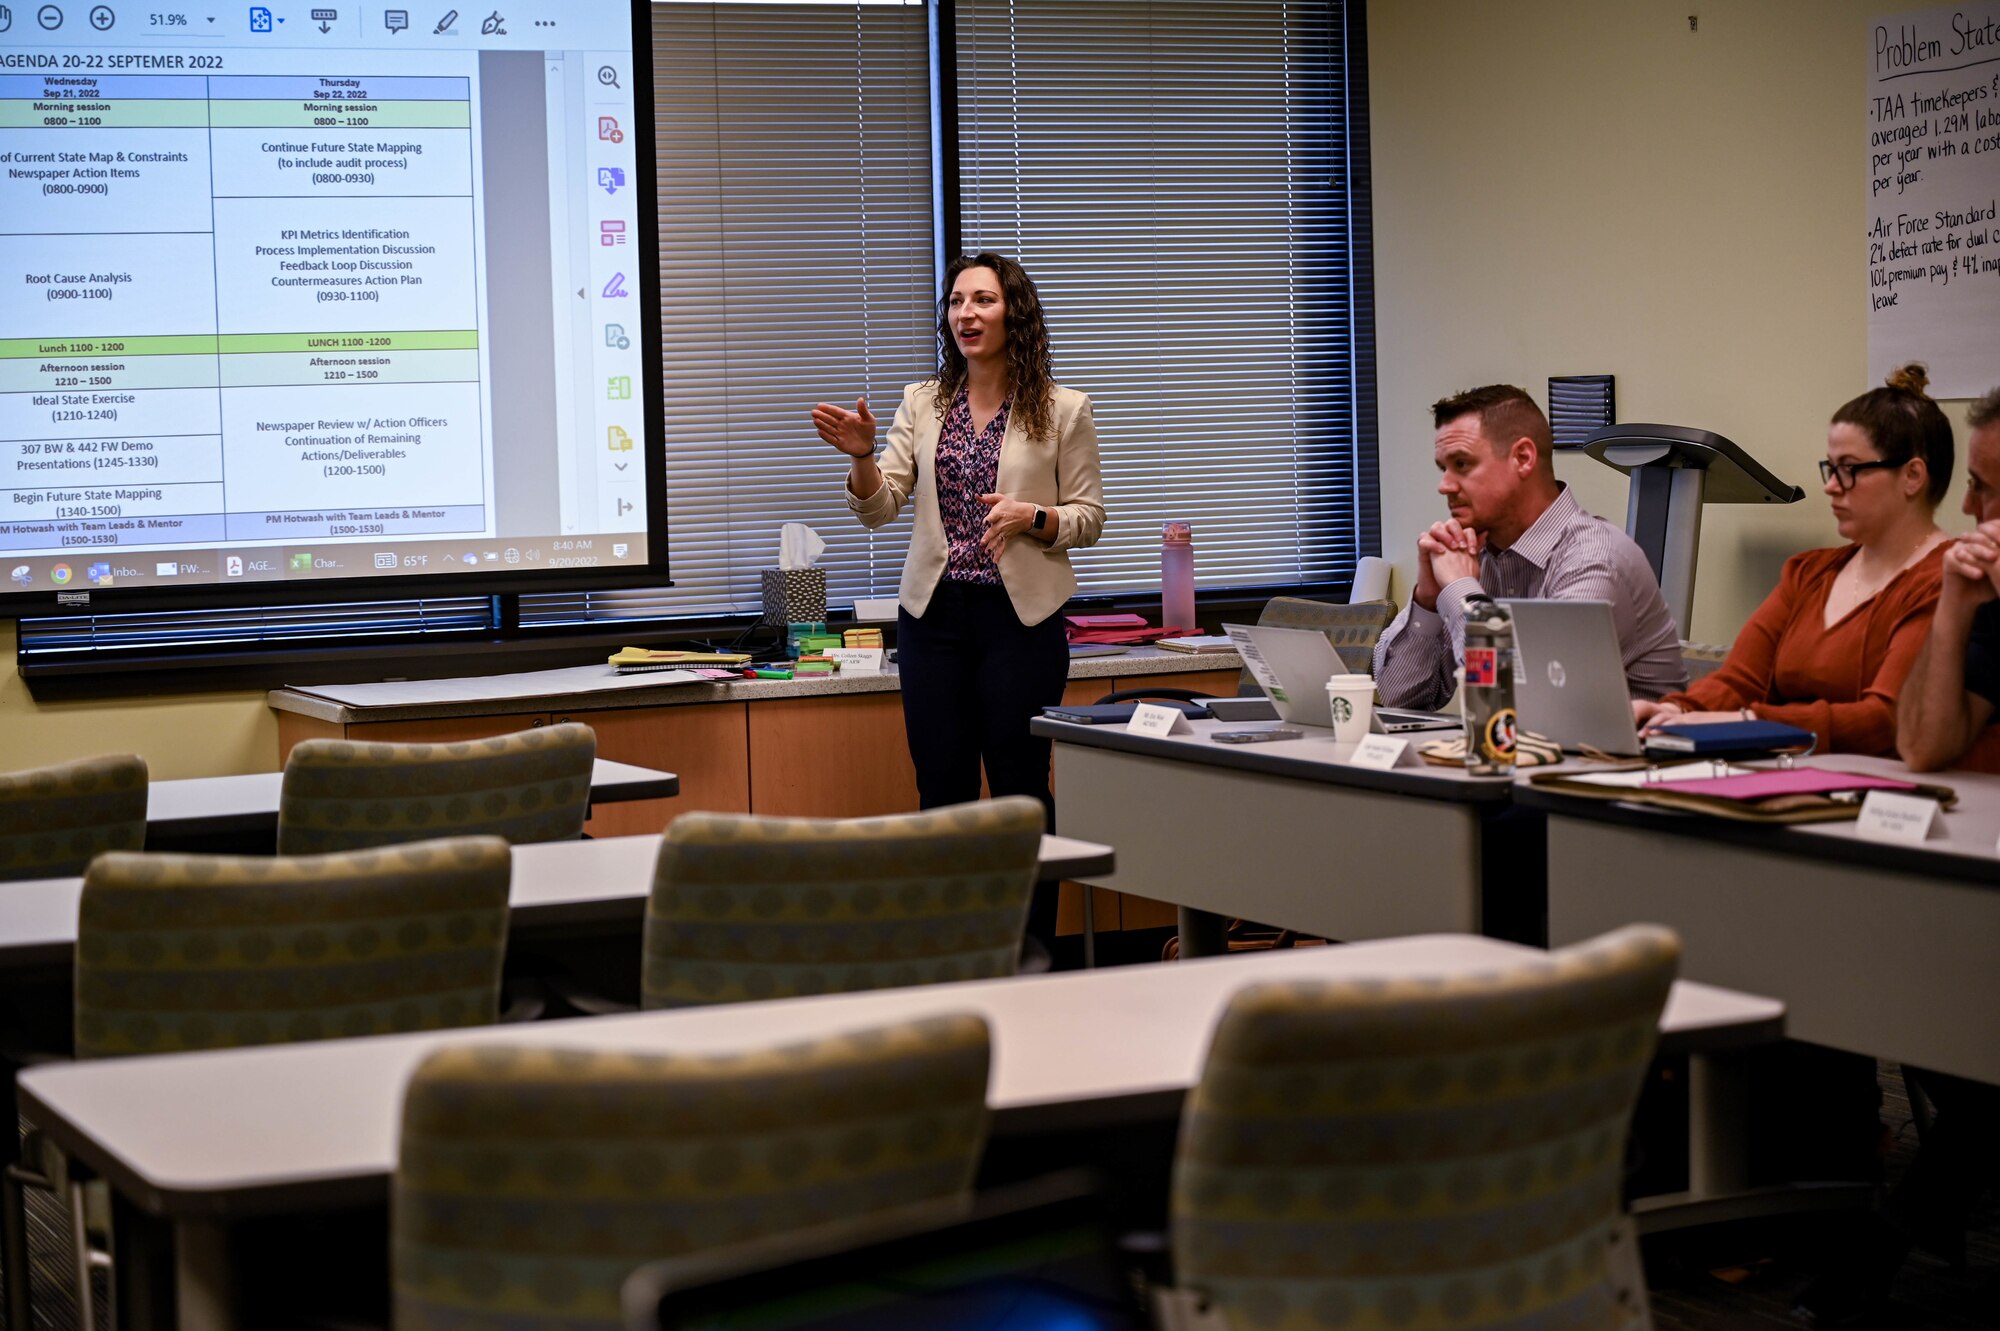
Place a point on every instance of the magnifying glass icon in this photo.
(607, 76)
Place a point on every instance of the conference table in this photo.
(195, 1144)
(1293, 834)
(1880, 949)
(196, 813)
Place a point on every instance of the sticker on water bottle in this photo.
(1496, 742)
(1482, 667)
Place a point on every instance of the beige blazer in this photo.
(1059, 473)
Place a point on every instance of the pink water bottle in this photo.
(1177, 577)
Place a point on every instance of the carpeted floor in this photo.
(1746, 1277)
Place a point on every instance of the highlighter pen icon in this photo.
(450, 17)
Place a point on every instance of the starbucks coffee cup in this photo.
(1351, 699)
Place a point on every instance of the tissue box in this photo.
(794, 595)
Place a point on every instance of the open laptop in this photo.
(1569, 675)
(1292, 666)
(1031, 1256)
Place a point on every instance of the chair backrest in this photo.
(1422, 1153)
(749, 908)
(1702, 658)
(55, 820)
(1353, 629)
(533, 785)
(182, 952)
(532, 1181)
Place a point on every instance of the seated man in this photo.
(1949, 697)
(1516, 531)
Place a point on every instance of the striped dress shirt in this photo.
(1567, 555)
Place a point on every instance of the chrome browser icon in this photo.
(59, 574)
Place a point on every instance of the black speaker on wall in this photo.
(1578, 404)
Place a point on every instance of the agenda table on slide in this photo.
(210, 245)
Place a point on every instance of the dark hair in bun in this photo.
(1903, 423)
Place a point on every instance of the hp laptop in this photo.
(1569, 676)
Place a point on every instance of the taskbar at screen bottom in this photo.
(387, 559)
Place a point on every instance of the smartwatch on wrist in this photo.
(1041, 517)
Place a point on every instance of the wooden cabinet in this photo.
(703, 744)
(842, 756)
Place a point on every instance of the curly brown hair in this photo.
(1031, 380)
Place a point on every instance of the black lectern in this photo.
(1674, 471)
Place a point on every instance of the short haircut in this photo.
(1506, 413)
(1903, 423)
(1985, 411)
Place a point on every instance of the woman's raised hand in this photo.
(852, 432)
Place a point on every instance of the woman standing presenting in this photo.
(1001, 463)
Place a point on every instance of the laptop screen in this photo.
(1050, 1266)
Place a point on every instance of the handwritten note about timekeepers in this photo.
(1933, 185)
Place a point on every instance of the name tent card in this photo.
(1902, 820)
(1150, 718)
(1384, 752)
(856, 660)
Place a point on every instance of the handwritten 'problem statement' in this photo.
(1934, 195)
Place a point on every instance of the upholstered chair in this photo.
(533, 785)
(1353, 629)
(54, 820)
(1424, 1154)
(745, 907)
(176, 953)
(181, 952)
(531, 1181)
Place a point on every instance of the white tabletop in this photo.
(250, 802)
(555, 883)
(292, 1127)
(1967, 849)
(1315, 756)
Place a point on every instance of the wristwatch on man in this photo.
(1041, 517)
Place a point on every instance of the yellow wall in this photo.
(209, 734)
(1586, 186)
(1561, 187)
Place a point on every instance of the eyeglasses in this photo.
(1847, 471)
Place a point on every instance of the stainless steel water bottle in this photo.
(1487, 701)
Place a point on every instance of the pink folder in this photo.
(1787, 781)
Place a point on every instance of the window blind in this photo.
(1186, 183)
(797, 265)
(331, 623)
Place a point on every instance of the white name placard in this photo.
(1150, 718)
(1905, 820)
(856, 660)
(1383, 752)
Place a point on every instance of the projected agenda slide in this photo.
(308, 300)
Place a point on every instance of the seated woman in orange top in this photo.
(1828, 649)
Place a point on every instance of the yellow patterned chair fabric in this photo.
(181, 952)
(53, 820)
(532, 1181)
(1702, 658)
(1423, 1155)
(1353, 629)
(340, 794)
(750, 908)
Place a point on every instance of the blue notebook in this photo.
(1717, 737)
(1117, 713)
